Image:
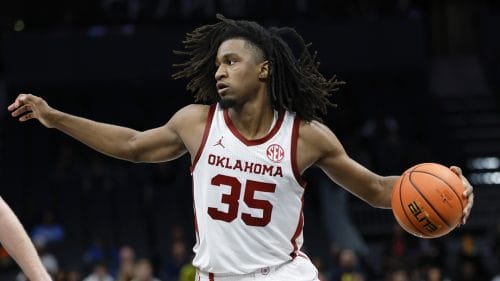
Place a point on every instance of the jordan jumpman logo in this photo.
(219, 142)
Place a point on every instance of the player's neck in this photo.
(252, 121)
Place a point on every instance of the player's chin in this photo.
(227, 103)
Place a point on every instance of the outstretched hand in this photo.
(28, 106)
(468, 193)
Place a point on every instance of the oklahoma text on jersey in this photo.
(244, 166)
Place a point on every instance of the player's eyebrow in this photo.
(226, 56)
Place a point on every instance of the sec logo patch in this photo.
(275, 153)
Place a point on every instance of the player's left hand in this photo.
(468, 193)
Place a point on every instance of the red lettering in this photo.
(228, 166)
(244, 166)
(257, 169)
(268, 170)
(237, 165)
(220, 161)
(248, 168)
(278, 172)
(211, 159)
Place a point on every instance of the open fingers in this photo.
(20, 100)
(468, 193)
(468, 208)
(27, 117)
(468, 187)
(21, 110)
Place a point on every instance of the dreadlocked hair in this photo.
(294, 84)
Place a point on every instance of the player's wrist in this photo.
(52, 118)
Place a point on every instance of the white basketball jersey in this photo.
(248, 196)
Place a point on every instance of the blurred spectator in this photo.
(144, 271)
(188, 272)
(48, 230)
(176, 260)
(73, 275)
(470, 263)
(399, 249)
(347, 267)
(434, 273)
(397, 275)
(99, 273)
(95, 252)
(60, 276)
(431, 252)
(126, 263)
(69, 274)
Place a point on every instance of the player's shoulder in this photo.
(317, 136)
(193, 113)
(194, 109)
(313, 130)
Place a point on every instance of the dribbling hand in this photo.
(28, 106)
(468, 193)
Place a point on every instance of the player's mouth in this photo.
(222, 87)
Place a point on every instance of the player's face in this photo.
(239, 72)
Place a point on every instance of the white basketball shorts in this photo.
(298, 269)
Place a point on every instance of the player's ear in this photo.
(264, 70)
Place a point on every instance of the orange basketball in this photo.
(428, 201)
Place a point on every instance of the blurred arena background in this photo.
(423, 85)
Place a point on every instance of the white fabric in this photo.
(298, 269)
(229, 165)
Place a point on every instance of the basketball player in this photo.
(249, 146)
(19, 246)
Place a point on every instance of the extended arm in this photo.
(17, 243)
(328, 153)
(155, 145)
(325, 150)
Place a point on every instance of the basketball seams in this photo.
(426, 200)
(449, 185)
(421, 196)
(415, 228)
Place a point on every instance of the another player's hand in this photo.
(28, 106)
(468, 193)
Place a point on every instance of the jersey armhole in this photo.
(295, 137)
(210, 117)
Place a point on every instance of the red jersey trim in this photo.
(194, 211)
(298, 231)
(295, 138)
(248, 142)
(210, 118)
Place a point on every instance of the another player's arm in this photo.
(334, 161)
(155, 145)
(17, 243)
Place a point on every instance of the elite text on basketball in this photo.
(422, 217)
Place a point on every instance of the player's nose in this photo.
(220, 73)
